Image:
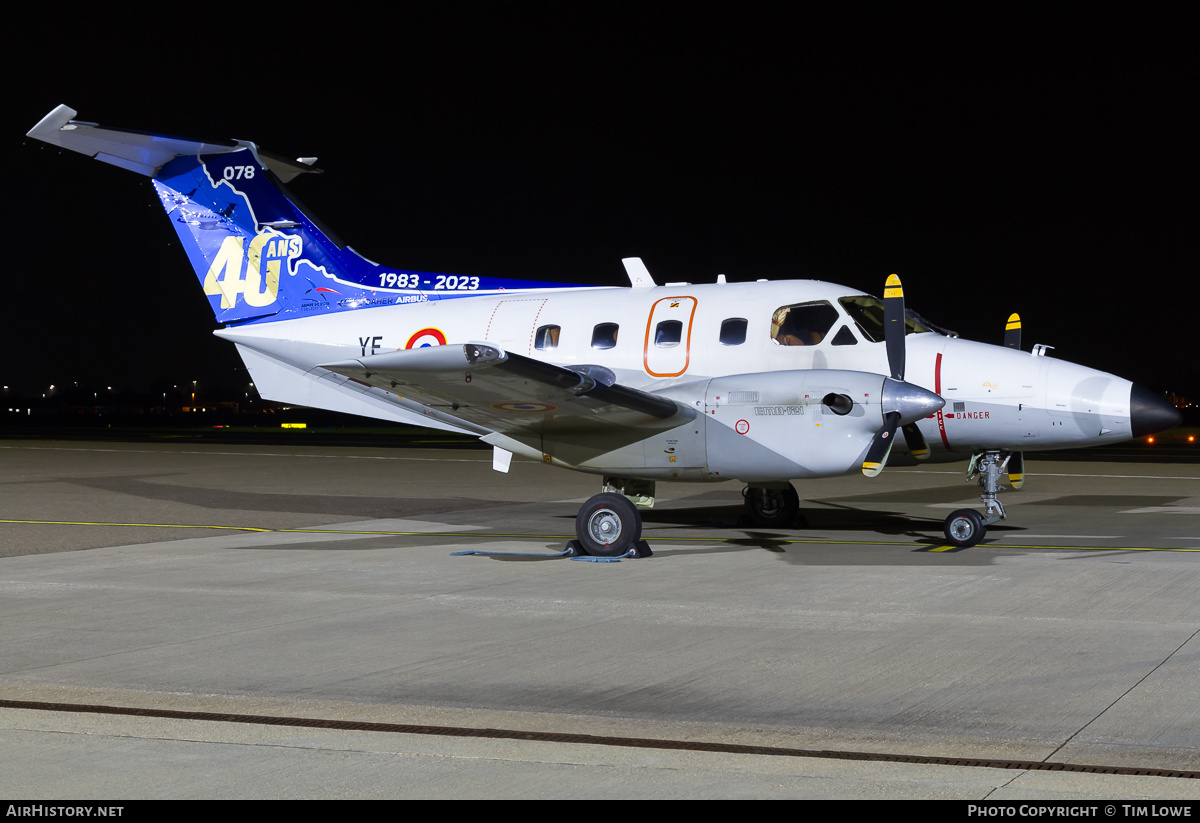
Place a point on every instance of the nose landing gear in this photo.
(966, 527)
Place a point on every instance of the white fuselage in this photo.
(684, 342)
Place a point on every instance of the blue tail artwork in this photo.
(257, 255)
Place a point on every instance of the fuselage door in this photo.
(668, 345)
(513, 323)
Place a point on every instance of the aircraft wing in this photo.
(530, 401)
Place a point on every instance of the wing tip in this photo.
(52, 123)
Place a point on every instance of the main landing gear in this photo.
(966, 527)
(609, 525)
(775, 507)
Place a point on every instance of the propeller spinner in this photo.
(903, 403)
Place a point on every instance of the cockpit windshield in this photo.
(867, 313)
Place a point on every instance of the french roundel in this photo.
(426, 338)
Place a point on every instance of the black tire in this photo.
(964, 528)
(608, 524)
(778, 511)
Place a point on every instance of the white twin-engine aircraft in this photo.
(763, 383)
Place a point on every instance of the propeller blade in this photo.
(893, 325)
(1016, 470)
(898, 395)
(881, 446)
(1012, 332)
(916, 441)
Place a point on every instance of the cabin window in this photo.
(804, 324)
(668, 334)
(733, 331)
(546, 338)
(844, 337)
(604, 335)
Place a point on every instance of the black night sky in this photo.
(1038, 166)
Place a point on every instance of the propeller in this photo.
(1012, 332)
(881, 446)
(893, 325)
(1012, 340)
(916, 441)
(1016, 470)
(900, 400)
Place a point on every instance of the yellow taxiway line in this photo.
(481, 534)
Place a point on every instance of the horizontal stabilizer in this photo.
(142, 151)
(137, 151)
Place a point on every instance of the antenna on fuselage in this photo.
(639, 275)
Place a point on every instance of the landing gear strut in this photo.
(966, 527)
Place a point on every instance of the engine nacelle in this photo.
(785, 425)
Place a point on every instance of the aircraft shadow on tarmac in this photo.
(724, 521)
(715, 516)
(245, 500)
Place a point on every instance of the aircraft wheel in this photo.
(771, 508)
(964, 528)
(608, 524)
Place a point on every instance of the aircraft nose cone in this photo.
(912, 401)
(1149, 413)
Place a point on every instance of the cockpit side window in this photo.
(804, 324)
(867, 313)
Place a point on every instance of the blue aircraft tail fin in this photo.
(257, 255)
